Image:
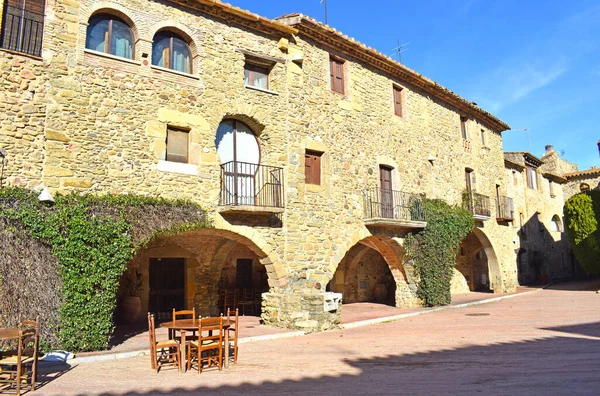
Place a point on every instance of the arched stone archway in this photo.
(373, 270)
(199, 266)
(477, 264)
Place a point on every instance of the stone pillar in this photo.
(299, 309)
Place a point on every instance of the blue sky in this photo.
(533, 64)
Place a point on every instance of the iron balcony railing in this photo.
(22, 30)
(506, 208)
(392, 204)
(479, 204)
(247, 184)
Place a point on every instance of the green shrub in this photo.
(434, 249)
(93, 238)
(582, 212)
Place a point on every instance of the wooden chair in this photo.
(209, 345)
(246, 301)
(162, 352)
(230, 300)
(177, 315)
(18, 369)
(234, 325)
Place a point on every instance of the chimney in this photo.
(550, 148)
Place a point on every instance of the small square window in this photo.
(337, 74)
(312, 167)
(256, 75)
(398, 110)
(177, 145)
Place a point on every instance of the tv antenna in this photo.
(400, 49)
(324, 2)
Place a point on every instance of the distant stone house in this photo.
(309, 150)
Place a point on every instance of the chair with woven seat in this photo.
(233, 329)
(246, 301)
(18, 368)
(183, 314)
(208, 348)
(162, 352)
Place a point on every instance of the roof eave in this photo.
(314, 30)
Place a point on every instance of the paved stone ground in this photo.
(543, 343)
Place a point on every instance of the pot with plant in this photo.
(131, 305)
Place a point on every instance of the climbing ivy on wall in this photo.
(582, 213)
(93, 238)
(433, 250)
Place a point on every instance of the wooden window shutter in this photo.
(177, 145)
(398, 101)
(337, 75)
(312, 167)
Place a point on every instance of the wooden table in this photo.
(183, 325)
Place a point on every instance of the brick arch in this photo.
(117, 10)
(392, 253)
(181, 30)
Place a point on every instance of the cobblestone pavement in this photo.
(543, 343)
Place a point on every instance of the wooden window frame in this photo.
(251, 66)
(109, 33)
(531, 182)
(187, 148)
(464, 131)
(333, 62)
(313, 176)
(398, 98)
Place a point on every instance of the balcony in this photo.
(250, 188)
(393, 208)
(479, 205)
(506, 209)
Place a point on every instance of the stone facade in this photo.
(85, 121)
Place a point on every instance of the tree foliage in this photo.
(582, 212)
(434, 249)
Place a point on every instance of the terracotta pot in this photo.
(380, 292)
(132, 309)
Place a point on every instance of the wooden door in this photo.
(387, 196)
(167, 286)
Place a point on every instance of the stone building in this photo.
(540, 240)
(309, 150)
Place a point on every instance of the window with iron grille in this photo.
(177, 145)
(23, 26)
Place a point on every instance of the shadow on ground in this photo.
(553, 365)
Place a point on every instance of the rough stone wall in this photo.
(99, 126)
(542, 253)
(358, 132)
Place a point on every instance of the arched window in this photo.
(239, 153)
(584, 187)
(555, 224)
(172, 52)
(109, 34)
